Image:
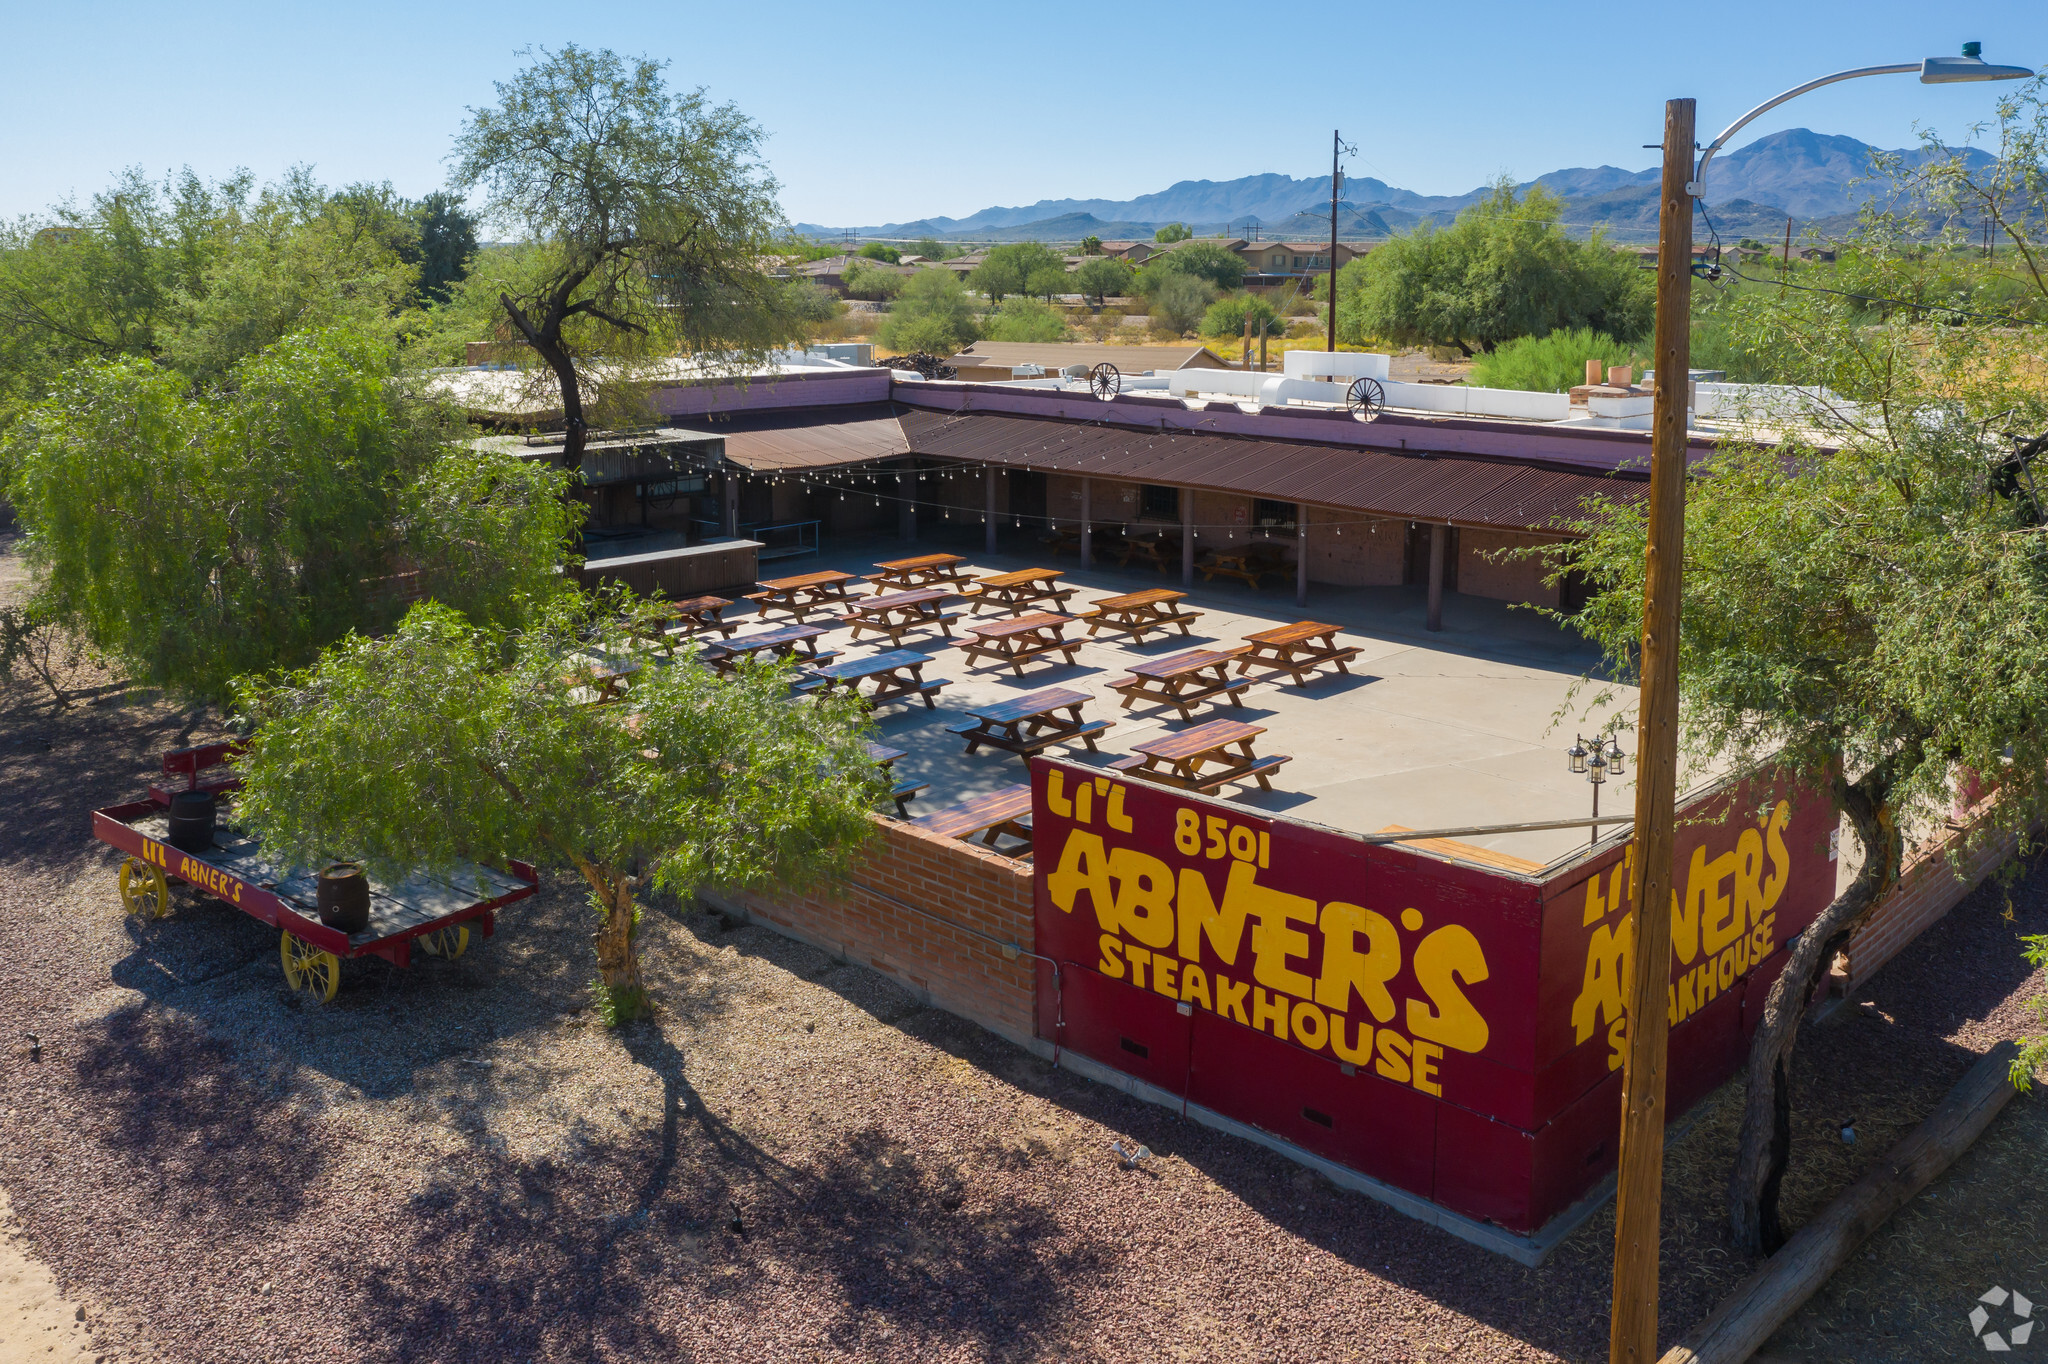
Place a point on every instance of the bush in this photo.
(1547, 364)
(933, 313)
(871, 281)
(1019, 268)
(1226, 316)
(1173, 232)
(1209, 261)
(1026, 319)
(1101, 276)
(881, 252)
(1178, 302)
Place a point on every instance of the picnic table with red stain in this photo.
(1017, 591)
(990, 817)
(1031, 724)
(790, 640)
(1184, 680)
(1179, 759)
(688, 618)
(804, 593)
(898, 613)
(1019, 640)
(898, 675)
(921, 570)
(1297, 649)
(1139, 613)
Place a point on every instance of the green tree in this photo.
(653, 212)
(198, 536)
(1091, 245)
(933, 314)
(443, 742)
(1179, 302)
(446, 239)
(1029, 268)
(1553, 363)
(1226, 317)
(1173, 232)
(1504, 269)
(880, 251)
(1221, 267)
(1026, 319)
(862, 280)
(932, 249)
(1101, 277)
(1867, 608)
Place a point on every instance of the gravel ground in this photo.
(794, 1161)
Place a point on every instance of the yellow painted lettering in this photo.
(1244, 843)
(1275, 940)
(1393, 1062)
(1358, 1055)
(1606, 978)
(1311, 1026)
(1749, 873)
(1230, 998)
(1617, 1043)
(1670, 1005)
(1725, 965)
(1137, 957)
(1347, 970)
(1219, 835)
(1781, 861)
(1685, 924)
(1269, 1012)
(1715, 907)
(1112, 963)
(1427, 1054)
(1194, 985)
(1056, 794)
(1596, 904)
(1265, 849)
(1113, 813)
(1084, 866)
(1164, 972)
(1144, 896)
(1443, 959)
(1200, 918)
(1084, 801)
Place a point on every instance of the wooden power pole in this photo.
(1639, 1182)
(1336, 179)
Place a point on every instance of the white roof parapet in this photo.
(1343, 364)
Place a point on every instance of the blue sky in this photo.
(1000, 103)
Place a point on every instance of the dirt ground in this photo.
(795, 1160)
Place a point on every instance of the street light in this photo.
(1632, 1332)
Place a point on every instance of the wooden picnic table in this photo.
(1031, 724)
(804, 593)
(1160, 550)
(1137, 613)
(604, 675)
(898, 613)
(897, 674)
(1015, 592)
(921, 570)
(799, 640)
(1178, 759)
(906, 789)
(999, 812)
(1297, 649)
(1184, 680)
(1247, 565)
(686, 619)
(1018, 640)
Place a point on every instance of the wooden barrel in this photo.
(344, 897)
(191, 821)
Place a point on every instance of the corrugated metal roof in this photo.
(820, 439)
(1411, 485)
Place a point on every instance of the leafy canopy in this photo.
(1226, 317)
(1553, 363)
(863, 280)
(1212, 262)
(1504, 269)
(199, 536)
(1100, 277)
(1030, 268)
(933, 314)
(1179, 302)
(1173, 232)
(1026, 319)
(880, 251)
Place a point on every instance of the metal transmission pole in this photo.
(1336, 180)
(1639, 1182)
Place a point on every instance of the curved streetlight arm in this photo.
(1699, 176)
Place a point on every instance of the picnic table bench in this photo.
(1160, 550)
(906, 789)
(1247, 565)
(1015, 592)
(921, 570)
(804, 593)
(897, 675)
(688, 618)
(1178, 759)
(182, 769)
(603, 675)
(898, 613)
(1184, 680)
(786, 640)
(1001, 812)
(1031, 724)
(1019, 640)
(1297, 649)
(1137, 613)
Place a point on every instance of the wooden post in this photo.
(1087, 532)
(906, 508)
(1336, 179)
(1187, 539)
(1639, 1182)
(1247, 359)
(1301, 554)
(989, 514)
(729, 494)
(1438, 534)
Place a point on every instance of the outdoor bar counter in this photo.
(685, 571)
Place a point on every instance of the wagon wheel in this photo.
(449, 943)
(307, 967)
(1105, 381)
(144, 892)
(1365, 398)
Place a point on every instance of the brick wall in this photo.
(1931, 884)
(1486, 568)
(945, 955)
(1367, 553)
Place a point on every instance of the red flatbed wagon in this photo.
(434, 913)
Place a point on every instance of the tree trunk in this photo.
(618, 962)
(1766, 1140)
(546, 340)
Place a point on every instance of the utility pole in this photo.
(1639, 1180)
(1336, 180)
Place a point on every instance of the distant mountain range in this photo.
(1807, 176)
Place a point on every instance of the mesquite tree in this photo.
(443, 741)
(1866, 604)
(653, 217)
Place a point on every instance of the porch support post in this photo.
(906, 507)
(988, 476)
(729, 494)
(1087, 532)
(1301, 554)
(1439, 534)
(1187, 538)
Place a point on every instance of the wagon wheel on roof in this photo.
(1365, 398)
(144, 892)
(308, 968)
(1105, 381)
(448, 943)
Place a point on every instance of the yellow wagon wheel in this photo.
(144, 892)
(306, 967)
(446, 942)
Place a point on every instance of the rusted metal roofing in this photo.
(1410, 485)
(823, 438)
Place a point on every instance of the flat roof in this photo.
(811, 438)
(1060, 354)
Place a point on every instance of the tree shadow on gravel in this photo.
(620, 1252)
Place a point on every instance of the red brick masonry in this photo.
(1932, 883)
